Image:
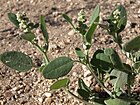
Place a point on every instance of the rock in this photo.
(27, 89)
(40, 100)
(48, 101)
(8, 94)
(128, 61)
(72, 32)
(61, 44)
(68, 0)
(38, 31)
(31, 1)
(47, 94)
(74, 74)
(97, 88)
(84, 67)
(67, 41)
(139, 13)
(88, 80)
(87, 73)
(52, 47)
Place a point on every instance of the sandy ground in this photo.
(31, 88)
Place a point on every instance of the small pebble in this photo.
(97, 88)
(87, 73)
(8, 94)
(27, 89)
(47, 94)
(67, 41)
(68, 0)
(61, 44)
(38, 31)
(139, 13)
(72, 32)
(40, 100)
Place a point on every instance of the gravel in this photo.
(31, 88)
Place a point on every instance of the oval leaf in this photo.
(29, 36)
(80, 54)
(60, 84)
(120, 80)
(101, 61)
(133, 45)
(57, 68)
(115, 59)
(13, 18)
(116, 102)
(16, 60)
(84, 94)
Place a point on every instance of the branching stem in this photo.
(76, 97)
(42, 51)
(98, 80)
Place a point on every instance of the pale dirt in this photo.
(31, 88)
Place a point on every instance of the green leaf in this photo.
(121, 21)
(132, 45)
(43, 29)
(60, 84)
(123, 18)
(41, 68)
(16, 60)
(29, 36)
(93, 24)
(101, 61)
(115, 59)
(13, 18)
(80, 53)
(136, 65)
(116, 102)
(83, 86)
(96, 103)
(131, 80)
(84, 94)
(137, 57)
(91, 30)
(95, 14)
(57, 68)
(97, 100)
(69, 20)
(120, 80)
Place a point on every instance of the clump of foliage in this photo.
(105, 64)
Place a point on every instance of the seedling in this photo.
(105, 65)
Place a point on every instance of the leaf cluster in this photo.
(105, 64)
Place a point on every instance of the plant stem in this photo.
(76, 97)
(98, 80)
(42, 51)
(87, 57)
(116, 40)
(94, 75)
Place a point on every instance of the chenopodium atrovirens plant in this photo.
(105, 64)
